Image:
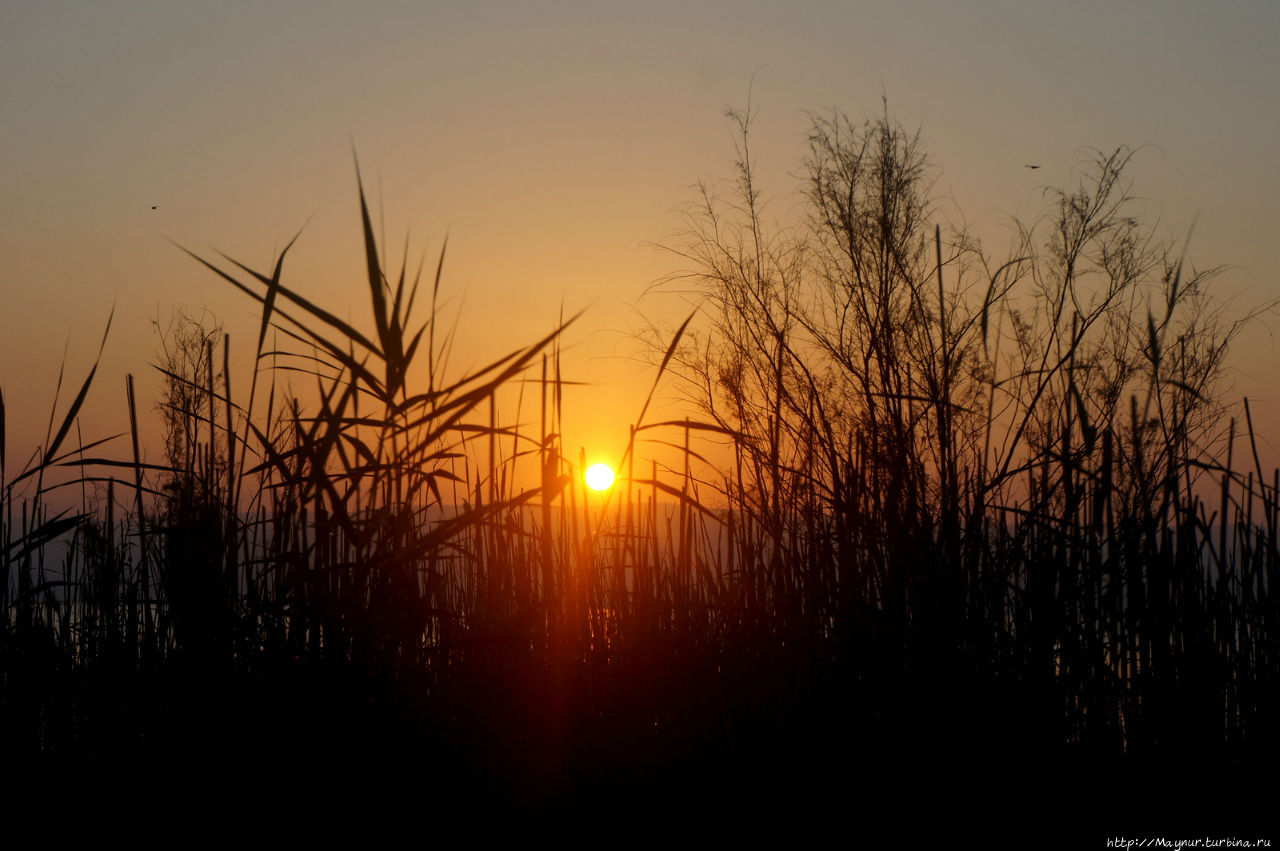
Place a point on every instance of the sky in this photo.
(555, 144)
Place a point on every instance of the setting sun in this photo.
(599, 477)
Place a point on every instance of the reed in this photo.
(923, 549)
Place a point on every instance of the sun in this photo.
(599, 477)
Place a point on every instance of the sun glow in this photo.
(599, 477)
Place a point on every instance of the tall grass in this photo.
(985, 480)
(921, 546)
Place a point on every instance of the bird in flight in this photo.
(1028, 166)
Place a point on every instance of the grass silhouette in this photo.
(991, 579)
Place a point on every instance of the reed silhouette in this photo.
(964, 550)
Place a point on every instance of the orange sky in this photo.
(554, 143)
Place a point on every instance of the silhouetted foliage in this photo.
(964, 528)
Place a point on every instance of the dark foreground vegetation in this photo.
(987, 545)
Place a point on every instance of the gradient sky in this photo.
(554, 142)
